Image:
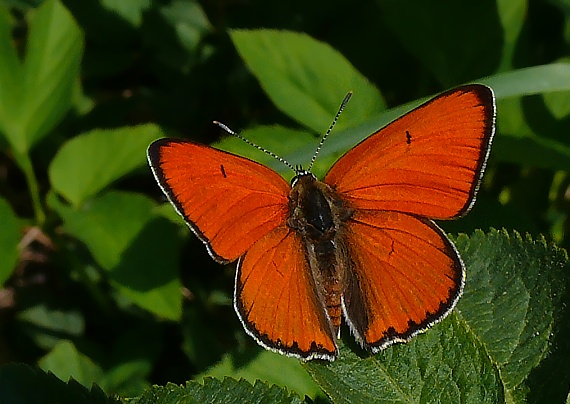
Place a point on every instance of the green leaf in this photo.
(36, 95)
(530, 132)
(268, 366)
(48, 326)
(519, 144)
(138, 250)
(11, 77)
(131, 11)
(10, 236)
(148, 271)
(559, 102)
(66, 362)
(508, 339)
(108, 224)
(90, 162)
(512, 14)
(521, 147)
(514, 304)
(531, 80)
(23, 385)
(516, 142)
(188, 20)
(444, 365)
(175, 38)
(130, 359)
(305, 78)
(217, 391)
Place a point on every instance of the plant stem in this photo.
(26, 166)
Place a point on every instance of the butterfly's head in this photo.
(301, 174)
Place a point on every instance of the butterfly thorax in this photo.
(317, 214)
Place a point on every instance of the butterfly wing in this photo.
(276, 301)
(428, 162)
(239, 208)
(230, 202)
(405, 273)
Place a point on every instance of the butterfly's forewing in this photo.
(428, 162)
(230, 202)
(405, 276)
(405, 273)
(276, 299)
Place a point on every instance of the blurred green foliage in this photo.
(103, 283)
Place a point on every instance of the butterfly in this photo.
(361, 245)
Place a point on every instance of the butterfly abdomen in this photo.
(317, 215)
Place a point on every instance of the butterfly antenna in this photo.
(249, 142)
(342, 105)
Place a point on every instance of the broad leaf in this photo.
(514, 303)
(47, 326)
(138, 250)
(131, 11)
(508, 339)
(444, 365)
(22, 384)
(35, 94)
(90, 162)
(66, 362)
(514, 141)
(305, 78)
(217, 391)
(268, 366)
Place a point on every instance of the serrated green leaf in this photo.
(444, 365)
(90, 162)
(508, 339)
(513, 303)
(138, 250)
(39, 91)
(218, 391)
(305, 78)
(10, 236)
(268, 366)
(23, 385)
(66, 362)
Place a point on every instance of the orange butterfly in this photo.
(360, 244)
